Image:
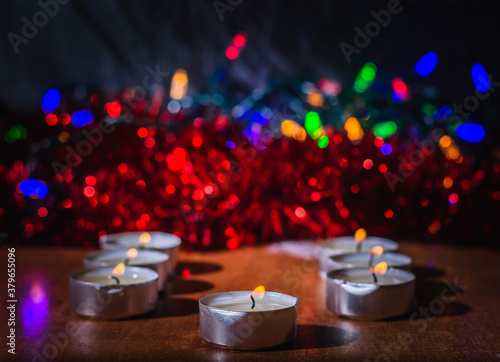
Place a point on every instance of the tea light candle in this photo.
(113, 293)
(165, 242)
(354, 293)
(350, 244)
(151, 259)
(360, 260)
(227, 320)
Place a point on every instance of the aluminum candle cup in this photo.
(151, 259)
(347, 244)
(165, 242)
(361, 260)
(94, 295)
(352, 293)
(227, 320)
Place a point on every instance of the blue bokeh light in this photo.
(230, 144)
(445, 112)
(33, 188)
(386, 149)
(470, 132)
(426, 64)
(480, 78)
(397, 96)
(82, 118)
(51, 100)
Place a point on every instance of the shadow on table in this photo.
(196, 267)
(436, 300)
(426, 291)
(315, 336)
(424, 272)
(175, 307)
(186, 286)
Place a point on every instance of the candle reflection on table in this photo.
(34, 309)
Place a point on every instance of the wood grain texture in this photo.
(465, 327)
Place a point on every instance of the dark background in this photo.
(108, 44)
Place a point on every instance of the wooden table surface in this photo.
(448, 327)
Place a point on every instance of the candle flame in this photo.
(119, 269)
(131, 253)
(360, 235)
(145, 238)
(259, 292)
(381, 268)
(377, 250)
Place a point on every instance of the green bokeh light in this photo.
(365, 77)
(312, 124)
(323, 142)
(385, 129)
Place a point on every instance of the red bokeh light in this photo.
(239, 40)
(51, 119)
(232, 53)
(300, 212)
(315, 196)
(90, 180)
(142, 132)
(114, 109)
(89, 191)
(42, 212)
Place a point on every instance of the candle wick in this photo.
(358, 246)
(370, 263)
(126, 261)
(253, 301)
(115, 278)
(374, 276)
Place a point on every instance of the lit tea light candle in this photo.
(113, 293)
(358, 243)
(151, 259)
(360, 260)
(248, 320)
(165, 242)
(374, 293)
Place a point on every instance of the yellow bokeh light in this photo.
(287, 127)
(315, 98)
(445, 141)
(353, 129)
(447, 182)
(63, 137)
(179, 84)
